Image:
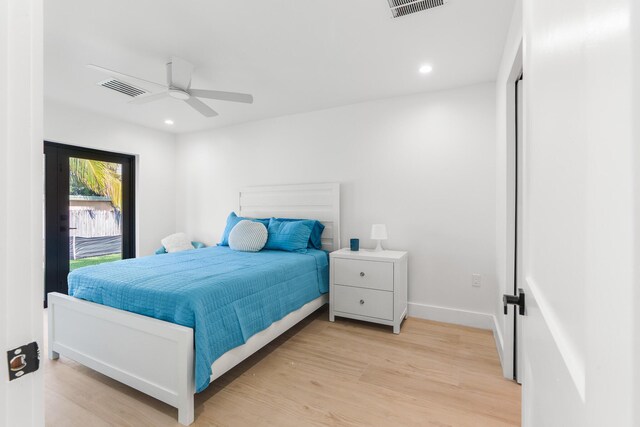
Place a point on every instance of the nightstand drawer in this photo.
(364, 274)
(363, 302)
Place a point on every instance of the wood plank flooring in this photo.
(319, 373)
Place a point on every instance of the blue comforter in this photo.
(224, 295)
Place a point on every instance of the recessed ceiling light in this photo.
(425, 69)
(168, 122)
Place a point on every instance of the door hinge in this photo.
(515, 300)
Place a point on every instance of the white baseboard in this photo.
(452, 315)
(497, 336)
(459, 317)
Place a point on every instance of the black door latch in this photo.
(515, 300)
(23, 360)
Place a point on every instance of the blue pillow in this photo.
(234, 219)
(315, 240)
(292, 236)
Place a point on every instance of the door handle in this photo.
(515, 300)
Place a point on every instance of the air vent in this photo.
(122, 87)
(407, 7)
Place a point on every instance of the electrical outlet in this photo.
(476, 280)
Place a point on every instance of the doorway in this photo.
(518, 277)
(89, 210)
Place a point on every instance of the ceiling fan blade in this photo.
(224, 96)
(149, 98)
(201, 107)
(122, 75)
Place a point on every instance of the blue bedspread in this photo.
(224, 295)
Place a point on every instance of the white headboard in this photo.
(305, 201)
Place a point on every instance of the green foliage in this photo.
(77, 188)
(93, 177)
(85, 262)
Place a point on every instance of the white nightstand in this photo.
(369, 285)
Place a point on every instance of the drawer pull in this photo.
(362, 274)
(361, 301)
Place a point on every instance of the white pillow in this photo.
(176, 243)
(248, 236)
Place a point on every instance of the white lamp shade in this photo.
(379, 232)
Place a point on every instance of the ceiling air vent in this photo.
(122, 87)
(407, 7)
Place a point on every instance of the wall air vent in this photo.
(122, 87)
(407, 7)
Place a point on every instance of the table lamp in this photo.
(379, 233)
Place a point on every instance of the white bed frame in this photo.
(157, 357)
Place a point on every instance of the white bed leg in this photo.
(186, 411)
(186, 375)
(53, 355)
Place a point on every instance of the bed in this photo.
(137, 321)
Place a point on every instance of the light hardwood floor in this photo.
(346, 373)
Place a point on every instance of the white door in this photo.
(21, 256)
(581, 221)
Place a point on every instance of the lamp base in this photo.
(379, 246)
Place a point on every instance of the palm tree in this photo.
(102, 178)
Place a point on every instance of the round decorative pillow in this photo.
(248, 236)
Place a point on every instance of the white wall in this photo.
(423, 164)
(510, 67)
(21, 287)
(155, 163)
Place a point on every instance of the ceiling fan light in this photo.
(179, 94)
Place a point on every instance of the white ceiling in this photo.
(292, 55)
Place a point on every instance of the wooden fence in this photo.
(95, 223)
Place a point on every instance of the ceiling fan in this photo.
(179, 87)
